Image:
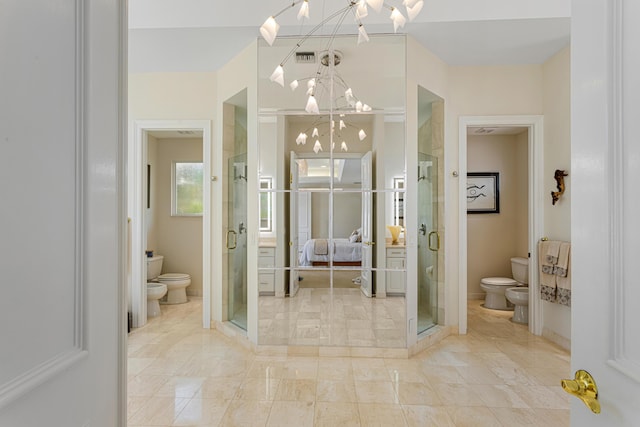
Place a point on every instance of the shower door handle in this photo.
(431, 248)
(235, 239)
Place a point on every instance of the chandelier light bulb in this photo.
(363, 37)
(294, 85)
(333, 146)
(304, 10)
(398, 19)
(315, 133)
(269, 30)
(359, 107)
(348, 95)
(361, 10)
(301, 139)
(312, 105)
(412, 12)
(342, 125)
(376, 4)
(344, 147)
(366, 108)
(278, 76)
(362, 135)
(409, 3)
(317, 147)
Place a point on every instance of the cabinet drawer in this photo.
(266, 261)
(266, 252)
(266, 282)
(396, 253)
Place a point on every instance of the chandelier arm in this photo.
(292, 5)
(355, 15)
(310, 33)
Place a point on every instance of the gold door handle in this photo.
(584, 388)
(431, 248)
(369, 243)
(235, 239)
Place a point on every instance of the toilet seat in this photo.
(173, 277)
(499, 281)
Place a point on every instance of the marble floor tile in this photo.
(497, 375)
(284, 413)
(332, 414)
(381, 415)
(420, 416)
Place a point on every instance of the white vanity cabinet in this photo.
(395, 280)
(266, 278)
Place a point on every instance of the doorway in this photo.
(138, 192)
(533, 125)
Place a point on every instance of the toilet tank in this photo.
(520, 269)
(154, 266)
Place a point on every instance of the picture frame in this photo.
(483, 192)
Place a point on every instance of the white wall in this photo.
(557, 155)
(492, 239)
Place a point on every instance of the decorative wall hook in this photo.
(559, 177)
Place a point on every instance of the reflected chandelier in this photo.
(359, 9)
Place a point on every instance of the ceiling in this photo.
(203, 35)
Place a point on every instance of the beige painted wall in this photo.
(494, 238)
(557, 155)
(172, 96)
(178, 238)
(347, 208)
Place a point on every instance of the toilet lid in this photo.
(173, 276)
(499, 281)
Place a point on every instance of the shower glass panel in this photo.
(430, 208)
(237, 240)
(428, 242)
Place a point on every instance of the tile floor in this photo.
(496, 375)
(338, 317)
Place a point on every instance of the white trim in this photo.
(37, 375)
(137, 196)
(123, 225)
(536, 193)
(617, 191)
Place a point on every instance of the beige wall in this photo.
(172, 96)
(178, 238)
(557, 155)
(347, 208)
(494, 238)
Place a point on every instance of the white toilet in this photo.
(520, 298)
(155, 291)
(176, 283)
(495, 287)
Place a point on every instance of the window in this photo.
(265, 205)
(187, 182)
(398, 201)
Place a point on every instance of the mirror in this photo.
(329, 272)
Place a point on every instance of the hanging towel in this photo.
(553, 249)
(563, 260)
(548, 257)
(564, 282)
(547, 278)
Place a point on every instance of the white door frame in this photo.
(137, 194)
(534, 124)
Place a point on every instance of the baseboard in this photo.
(555, 338)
